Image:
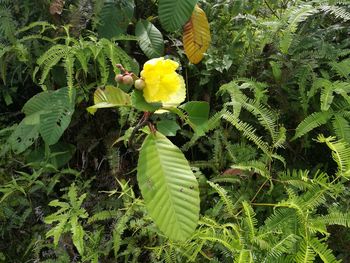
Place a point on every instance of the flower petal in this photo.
(162, 82)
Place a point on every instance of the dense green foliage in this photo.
(253, 167)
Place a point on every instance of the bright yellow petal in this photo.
(162, 83)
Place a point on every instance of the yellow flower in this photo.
(163, 84)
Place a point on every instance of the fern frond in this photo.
(103, 215)
(333, 218)
(311, 122)
(341, 127)
(8, 23)
(340, 153)
(342, 68)
(280, 139)
(217, 238)
(69, 66)
(300, 14)
(323, 251)
(337, 11)
(248, 132)
(296, 178)
(244, 256)
(283, 219)
(103, 67)
(213, 122)
(83, 56)
(283, 246)
(254, 166)
(267, 118)
(116, 55)
(230, 208)
(118, 231)
(326, 97)
(305, 253)
(50, 58)
(250, 220)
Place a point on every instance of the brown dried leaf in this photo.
(56, 7)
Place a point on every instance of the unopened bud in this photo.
(119, 78)
(140, 84)
(128, 80)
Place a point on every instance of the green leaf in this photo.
(150, 39)
(276, 70)
(173, 14)
(23, 136)
(56, 120)
(168, 127)
(168, 186)
(114, 18)
(138, 101)
(37, 104)
(198, 114)
(59, 155)
(109, 97)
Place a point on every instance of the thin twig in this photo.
(272, 11)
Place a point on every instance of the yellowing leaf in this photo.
(109, 97)
(196, 37)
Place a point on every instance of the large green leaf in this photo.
(168, 186)
(23, 136)
(114, 18)
(48, 113)
(173, 14)
(56, 120)
(36, 104)
(150, 39)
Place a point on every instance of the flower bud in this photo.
(119, 78)
(140, 84)
(128, 80)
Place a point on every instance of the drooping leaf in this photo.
(173, 14)
(196, 36)
(109, 97)
(168, 186)
(150, 39)
(198, 113)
